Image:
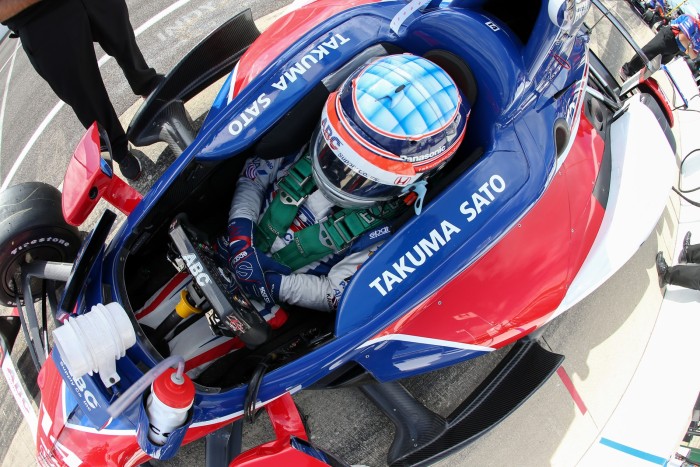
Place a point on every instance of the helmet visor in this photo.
(342, 182)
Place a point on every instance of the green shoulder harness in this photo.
(335, 233)
(311, 244)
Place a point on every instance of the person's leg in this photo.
(687, 275)
(60, 47)
(689, 253)
(693, 254)
(112, 29)
(663, 43)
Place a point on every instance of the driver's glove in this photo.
(258, 275)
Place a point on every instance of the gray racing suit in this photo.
(318, 285)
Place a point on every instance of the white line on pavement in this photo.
(12, 58)
(57, 107)
(160, 16)
(30, 143)
(4, 94)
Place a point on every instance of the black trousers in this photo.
(693, 253)
(687, 275)
(663, 43)
(58, 39)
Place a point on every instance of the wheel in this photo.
(32, 228)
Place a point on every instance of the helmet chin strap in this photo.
(420, 188)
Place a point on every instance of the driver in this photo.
(301, 225)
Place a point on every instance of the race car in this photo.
(550, 193)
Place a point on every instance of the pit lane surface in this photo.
(166, 31)
(602, 337)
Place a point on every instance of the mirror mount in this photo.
(90, 176)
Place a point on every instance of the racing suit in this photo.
(320, 284)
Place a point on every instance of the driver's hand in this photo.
(258, 275)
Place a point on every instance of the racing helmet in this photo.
(393, 122)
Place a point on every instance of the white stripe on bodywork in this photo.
(137, 459)
(258, 404)
(642, 174)
(405, 12)
(87, 429)
(232, 84)
(214, 421)
(19, 393)
(426, 341)
(46, 421)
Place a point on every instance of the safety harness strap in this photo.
(334, 234)
(293, 189)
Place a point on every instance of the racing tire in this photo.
(650, 101)
(32, 227)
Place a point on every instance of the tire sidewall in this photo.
(32, 226)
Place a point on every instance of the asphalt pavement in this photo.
(603, 337)
(41, 132)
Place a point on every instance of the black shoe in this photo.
(623, 74)
(683, 256)
(661, 269)
(130, 166)
(155, 82)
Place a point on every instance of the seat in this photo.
(458, 70)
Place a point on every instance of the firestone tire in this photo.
(32, 227)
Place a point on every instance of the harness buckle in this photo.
(342, 231)
(290, 200)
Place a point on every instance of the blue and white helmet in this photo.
(391, 123)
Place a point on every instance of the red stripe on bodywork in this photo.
(287, 424)
(515, 286)
(92, 448)
(214, 353)
(283, 33)
(174, 283)
(275, 322)
(652, 87)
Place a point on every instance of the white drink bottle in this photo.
(171, 397)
